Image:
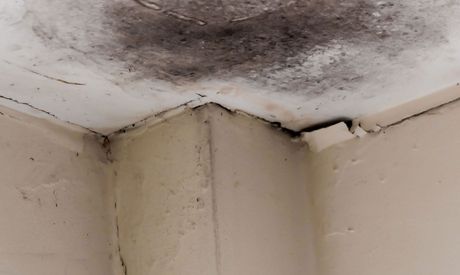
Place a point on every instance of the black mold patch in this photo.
(157, 45)
(304, 46)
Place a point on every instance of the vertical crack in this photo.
(122, 260)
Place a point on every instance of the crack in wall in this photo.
(55, 78)
(197, 103)
(295, 135)
(30, 106)
(45, 76)
(104, 139)
(142, 121)
(49, 114)
(117, 228)
(384, 127)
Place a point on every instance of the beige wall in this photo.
(212, 192)
(55, 217)
(262, 201)
(389, 203)
(207, 192)
(164, 197)
(192, 196)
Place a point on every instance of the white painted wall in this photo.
(55, 217)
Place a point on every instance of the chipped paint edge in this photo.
(318, 139)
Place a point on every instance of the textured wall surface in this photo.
(164, 198)
(198, 194)
(55, 203)
(265, 223)
(208, 191)
(388, 203)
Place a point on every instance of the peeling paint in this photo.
(322, 139)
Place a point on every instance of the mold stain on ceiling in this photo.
(295, 62)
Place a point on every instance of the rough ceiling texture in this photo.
(104, 64)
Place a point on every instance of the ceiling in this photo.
(110, 63)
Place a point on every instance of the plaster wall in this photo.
(207, 191)
(262, 198)
(164, 197)
(388, 203)
(212, 192)
(54, 200)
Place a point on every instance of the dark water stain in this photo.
(157, 45)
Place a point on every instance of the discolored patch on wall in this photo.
(303, 46)
(215, 44)
(163, 46)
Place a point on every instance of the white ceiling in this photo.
(110, 63)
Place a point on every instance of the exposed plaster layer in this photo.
(54, 200)
(388, 203)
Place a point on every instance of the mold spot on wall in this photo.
(292, 46)
(306, 46)
(166, 47)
